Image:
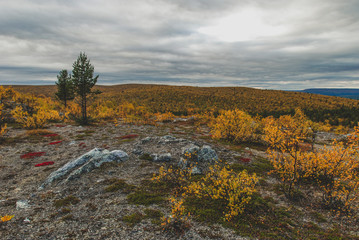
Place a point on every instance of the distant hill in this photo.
(337, 92)
(185, 100)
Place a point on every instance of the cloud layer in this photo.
(265, 44)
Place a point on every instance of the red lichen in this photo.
(53, 143)
(51, 135)
(31, 155)
(44, 164)
(245, 160)
(129, 136)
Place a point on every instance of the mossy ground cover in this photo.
(115, 184)
(258, 165)
(262, 219)
(69, 200)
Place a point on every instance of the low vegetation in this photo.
(263, 197)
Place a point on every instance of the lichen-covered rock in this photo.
(166, 157)
(146, 140)
(207, 154)
(196, 171)
(86, 163)
(137, 150)
(197, 158)
(197, 154)
(168, 139)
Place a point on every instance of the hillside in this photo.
(183, 100)
(337, 92)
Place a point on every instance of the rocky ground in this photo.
(95, 213)
(84, 208)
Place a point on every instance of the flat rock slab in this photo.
(84, 164)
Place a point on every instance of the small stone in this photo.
(146, 140)
(22, 204)
(196, 171)
(165, 157)
(137, 151)
(168, 139)
(26, 220)
(154, 157)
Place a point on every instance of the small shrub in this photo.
(178, 221)
(221, 183)
(6, 218)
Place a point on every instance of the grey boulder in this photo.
(85, 163)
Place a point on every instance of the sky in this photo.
(277, 44)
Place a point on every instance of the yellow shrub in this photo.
(235, 125)
(36, 120)
(233, 188)
(334, 169)
(2, 126)
(6, 218)
(102, 112)
(164, 117)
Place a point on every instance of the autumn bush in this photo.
(3, 126)
(235, 125)
(164, 117)
(284, 136)
(38, 119)
(230, 190)
(221, 183)
(332, 170)
(6, 95)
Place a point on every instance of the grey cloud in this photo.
(158, 41)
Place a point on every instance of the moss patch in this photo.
(69, 200)
(133, 218)
(146, 156)
(260, 166)
(142, 197)
(119, 184)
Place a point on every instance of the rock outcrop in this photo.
(198, 158)
(84, 164)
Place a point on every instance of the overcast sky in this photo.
(275, 44)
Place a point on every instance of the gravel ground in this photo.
(98, 214)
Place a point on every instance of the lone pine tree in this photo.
(65, 90)
(83, 80)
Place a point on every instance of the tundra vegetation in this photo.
(246, 195)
